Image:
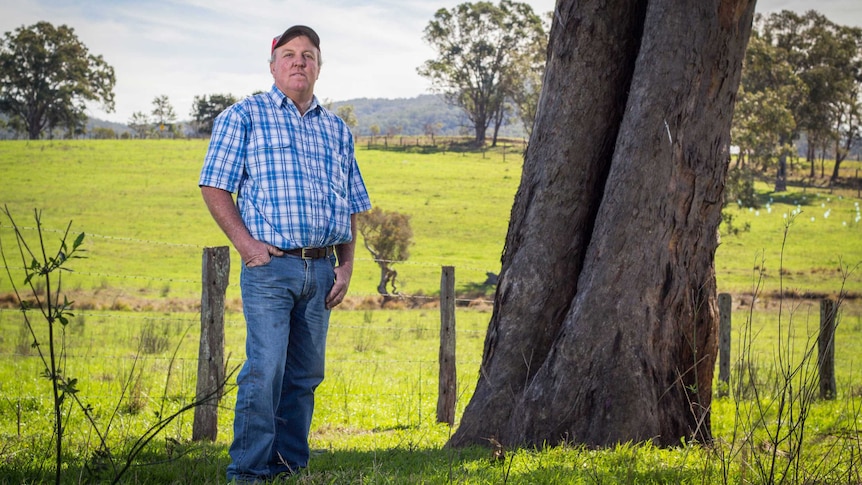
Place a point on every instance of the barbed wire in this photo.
(153, 358)
(201, 246)
(104, 236)
(144, 319)
(136, 277)
(164, 279)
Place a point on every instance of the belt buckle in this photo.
(303, 254)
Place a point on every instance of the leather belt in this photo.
(311, 253)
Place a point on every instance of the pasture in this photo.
(133, 340)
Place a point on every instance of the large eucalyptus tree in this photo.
(604, 326)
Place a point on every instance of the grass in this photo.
(146, 224)
(826, 234)
(375, 421)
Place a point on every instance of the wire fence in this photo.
(385, 363)
(379, 368)
(149, 357)
(187, 274)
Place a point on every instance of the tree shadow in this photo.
(799, 198)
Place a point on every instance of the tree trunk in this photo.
(781, 173)
(836, 169)
(811, 155)
(605, 320)
(841, 153)
(499, 116)
(384, 279)
(480, 128)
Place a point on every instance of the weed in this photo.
(363, 339)
(770, 441)
(155, 340)
(24, 342)
(41, 265)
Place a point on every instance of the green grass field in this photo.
(134, 339)
(146, 224)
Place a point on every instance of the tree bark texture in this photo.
(605, 319)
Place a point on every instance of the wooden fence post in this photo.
(826, 350)
(216, 272)
(725, 308)
(447, 387)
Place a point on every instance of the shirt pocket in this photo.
(269, 161)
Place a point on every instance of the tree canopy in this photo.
(47, 76)
(802, 75)
(163, 116)
(763, 122)
(387, 236)
(206, 108)
(477, 46)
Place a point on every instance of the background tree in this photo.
(140, 123)
(763, 122)
(206, 108)
(347, 113)
(826, 57)
(163, 115)
(431, 129)
(848, 127)
(47, 76)
(605, 318)
(848, 108)
(476, 44)
(101, 133)
(387, 236)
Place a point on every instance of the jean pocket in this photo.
(264, 265)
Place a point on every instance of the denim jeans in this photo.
(286, 326)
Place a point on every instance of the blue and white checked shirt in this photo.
(296, 177)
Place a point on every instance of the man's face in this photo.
(295, 67)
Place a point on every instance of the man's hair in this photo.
(292, 33)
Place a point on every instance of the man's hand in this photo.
(224, 211)
(257, 253)
(339, 288)
(344, 270)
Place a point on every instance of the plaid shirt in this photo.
(295, 176)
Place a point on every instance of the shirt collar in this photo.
(280, 99)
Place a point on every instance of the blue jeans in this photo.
(286, 325)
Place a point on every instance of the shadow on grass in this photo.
(169, 461)
(476, 464)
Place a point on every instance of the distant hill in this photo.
(404, 116)
(413, 114)
(119, 128)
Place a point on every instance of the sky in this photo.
(188, 48)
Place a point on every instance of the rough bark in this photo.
(605, 317)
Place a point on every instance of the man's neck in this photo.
(302, 105)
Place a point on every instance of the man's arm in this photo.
(344, 270)
(223, 209)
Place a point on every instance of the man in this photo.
(291, 163)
